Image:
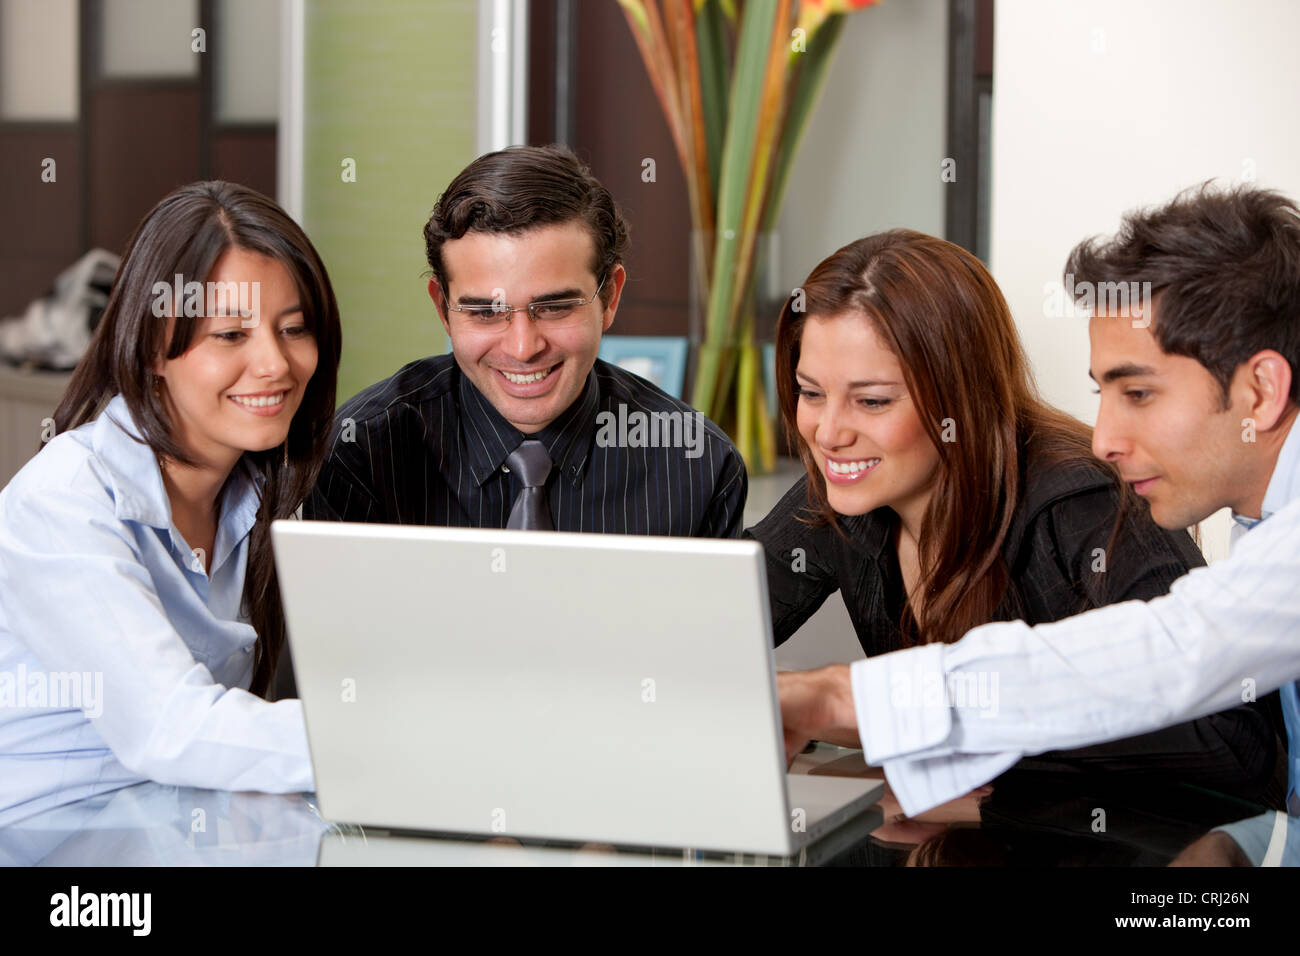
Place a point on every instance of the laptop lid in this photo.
(582, 687)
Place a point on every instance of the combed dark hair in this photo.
(521, 188)
(1224, 268)
(186, 234)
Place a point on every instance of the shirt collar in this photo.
(138, 491)
(1284, 484)
(570, 436)
(489, 439)
(240, 499)
(869, 534)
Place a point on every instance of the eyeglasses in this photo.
(550, 312)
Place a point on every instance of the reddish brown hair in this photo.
(936, 307)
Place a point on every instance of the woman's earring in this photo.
(286, 453)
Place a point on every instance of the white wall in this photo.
(870, 158)
(1102, 106)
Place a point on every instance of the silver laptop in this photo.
(546, 685)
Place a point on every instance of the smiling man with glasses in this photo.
(526, 253)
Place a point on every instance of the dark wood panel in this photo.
(245, 156)
(143, 143)
(43, 219)
(618, 124)
(961, 196)
(24, 277)
(984, 38)
(541, 73)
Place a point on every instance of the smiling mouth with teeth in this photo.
(261, 401)
(848, 469)
(525, 379)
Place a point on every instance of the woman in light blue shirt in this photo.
(140, 621)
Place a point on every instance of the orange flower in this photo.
(813, 13)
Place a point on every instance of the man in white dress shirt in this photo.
(1200, 387)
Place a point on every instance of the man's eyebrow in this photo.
(544, 297)
(1127, 370)
(561, 294)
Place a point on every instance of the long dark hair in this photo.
(940, 312)
(186, 234)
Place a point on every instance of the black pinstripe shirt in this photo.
(426, 447)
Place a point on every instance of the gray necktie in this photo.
(532, 463)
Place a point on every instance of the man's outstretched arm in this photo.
(944, 719)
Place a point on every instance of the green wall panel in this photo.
(391, 85)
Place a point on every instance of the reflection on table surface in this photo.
(151, 824)
(1025, 819)
(356, 846)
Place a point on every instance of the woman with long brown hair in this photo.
(942, 493)
(140, 603)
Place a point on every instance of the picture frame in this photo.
(659, 359)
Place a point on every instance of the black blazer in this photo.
(1059, 543)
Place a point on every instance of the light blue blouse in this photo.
(120, 659)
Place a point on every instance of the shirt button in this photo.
(505, 469)
(248, 649)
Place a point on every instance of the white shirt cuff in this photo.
(901, 702)
(921, 785)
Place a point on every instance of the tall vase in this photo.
(728, 373)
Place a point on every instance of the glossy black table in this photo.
(1032, 819)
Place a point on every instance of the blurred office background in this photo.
(409, 91)
(355, 115)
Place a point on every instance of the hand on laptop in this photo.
(817, 705)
